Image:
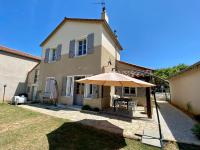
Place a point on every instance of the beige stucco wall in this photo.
(110, 45)
(85, 65)
(73, 31)
(13, 73)
(185, 89)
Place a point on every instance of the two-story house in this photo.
(79, 48)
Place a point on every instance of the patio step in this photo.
(151, 137)
(74, 107)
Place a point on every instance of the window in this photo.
(129, 90)
(89, 90)
(36, 76)
(82, 47)
(53, 54)
(69, 86)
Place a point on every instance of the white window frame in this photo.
(123, 90)
(71, 88)
(87, 90)
(77, 46)
(51, 55)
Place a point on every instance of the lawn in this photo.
(25, 129)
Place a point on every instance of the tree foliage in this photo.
(165, 73)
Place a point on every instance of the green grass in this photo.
(24, 129)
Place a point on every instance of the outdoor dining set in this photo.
(129, 103)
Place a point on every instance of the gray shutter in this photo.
(72, 49)
(46, 58)
(64, 85)
(58, 52)
(90, 43)
(95, 91)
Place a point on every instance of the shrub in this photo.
(196, 130)
(86, 107)
(197, 117)
(96, 109)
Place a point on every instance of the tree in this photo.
(165, 73)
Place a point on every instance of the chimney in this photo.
(104, 15)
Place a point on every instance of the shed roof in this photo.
(18, 53)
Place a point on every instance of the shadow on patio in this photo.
(74, 135)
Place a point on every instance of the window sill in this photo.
(88, 98)
(77, 56)
(67, 96)
(52, 61)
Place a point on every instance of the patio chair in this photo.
(133, 105)
(114, 97)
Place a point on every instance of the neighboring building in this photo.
(134, 71)
(78, 48)
(14, 67)
(32, 83)
(185, 89)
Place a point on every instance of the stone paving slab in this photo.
(151, 137)
(175, 125)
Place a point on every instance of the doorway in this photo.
(78, 91)
(34, 93)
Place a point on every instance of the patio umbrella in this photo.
(115, 79)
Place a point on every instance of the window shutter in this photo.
(90, 43)
(72, 49)
(64, 85)
(58, 52)
(95, 91)
(46, 58)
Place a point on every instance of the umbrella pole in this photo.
(158, 118)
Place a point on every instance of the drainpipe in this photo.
(4, 91)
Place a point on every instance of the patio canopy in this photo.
(115, 79)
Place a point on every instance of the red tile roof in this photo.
(133, 65)
(17, 52)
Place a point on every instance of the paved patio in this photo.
(176, 126)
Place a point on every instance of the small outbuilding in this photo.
(14, 68)
(185, 89)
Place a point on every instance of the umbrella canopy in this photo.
(114, 79)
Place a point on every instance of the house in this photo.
(14, 67)
(184, 88)
(76, 49)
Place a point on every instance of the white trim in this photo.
(77, 46)
(129, 92)
(71, 86)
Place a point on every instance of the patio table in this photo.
(122, 99)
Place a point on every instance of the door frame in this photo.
(32, 91)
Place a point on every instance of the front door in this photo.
(34, 93)
(78, 91)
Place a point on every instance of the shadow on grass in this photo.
(183, 146)
(74, 135)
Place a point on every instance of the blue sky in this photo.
(154, 33)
